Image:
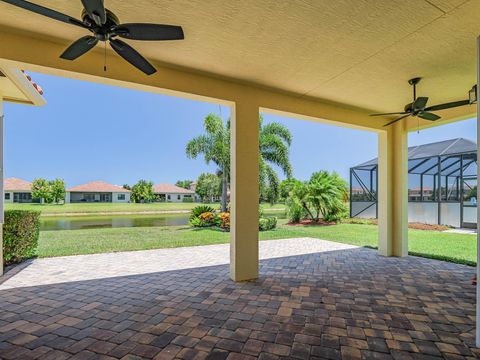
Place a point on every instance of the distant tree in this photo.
(208, 186)
(126, 186)
(184, 183)
(142, 191)
(57, 190)
(41, 190)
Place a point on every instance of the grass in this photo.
(91, 208)
(457, 248)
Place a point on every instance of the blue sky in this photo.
(90, 131)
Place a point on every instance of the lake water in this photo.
(115, 221)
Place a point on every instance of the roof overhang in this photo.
(318, 60)
(16, 87)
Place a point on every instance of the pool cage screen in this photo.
(442, 185)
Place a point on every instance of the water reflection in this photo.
(116, 221)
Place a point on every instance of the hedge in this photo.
(20, 235)
(267, 223)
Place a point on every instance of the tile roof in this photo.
(98, 186)
(170, 188)
(11, 184)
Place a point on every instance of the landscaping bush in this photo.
(187, 200)
(200, 209)
(321, 197)
(224, 218)
(204, 216)
(267, 223)
(20, 235)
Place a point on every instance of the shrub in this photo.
(267, 223)
(200, 209)
(20, 235)
(187, 200)
(224, 219)
(321, 197)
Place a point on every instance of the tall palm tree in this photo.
(274, 143)
(215, 147)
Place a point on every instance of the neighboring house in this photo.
(173, 193)
(18, 191)
(97, 191)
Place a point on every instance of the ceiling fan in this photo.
(419, 106)
(105, 26)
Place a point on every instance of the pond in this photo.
(114, 221)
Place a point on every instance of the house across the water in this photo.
(173, 193)
(18, 191)
(97, 191)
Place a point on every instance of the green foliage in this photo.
(200, 209)
(214, 145)
(267, 223)
(205, 219)
(142, 191)
(184, 183)
(50, 191)
(187, 199)
(274, 142)
(41, 190)
(286, 187)
(57, 190)
(20, 235)
(208, 187)
(127, 187)
(295, 210)
(323, 196)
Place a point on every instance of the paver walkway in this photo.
(314, 300)
(88, 267)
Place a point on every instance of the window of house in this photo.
(168, 197)
(178, 197)
(121, 197)
(7, 196)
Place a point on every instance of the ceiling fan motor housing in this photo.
(104, 32)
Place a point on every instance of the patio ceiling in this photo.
(356, 53)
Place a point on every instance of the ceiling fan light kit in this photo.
(418, 107)
(105, 27)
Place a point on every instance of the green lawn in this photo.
(452, 247)
(47, 209)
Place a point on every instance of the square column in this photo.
(2, 195)
(393, 190)
(244, 191)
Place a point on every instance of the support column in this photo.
(393, 191)
(478, 204)
(244, 192)
(2, 195)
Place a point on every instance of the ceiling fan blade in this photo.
(448, 105)
(393, 113)
(397, 119)
(139, 31)
(132, 56)
(96, 10)
(41, 10)
(429, 116)
(420, 103)
(79, 47)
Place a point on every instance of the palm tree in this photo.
(274, 143)
(215, 147)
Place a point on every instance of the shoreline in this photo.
(113, 213)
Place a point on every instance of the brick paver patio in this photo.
(314, 299)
